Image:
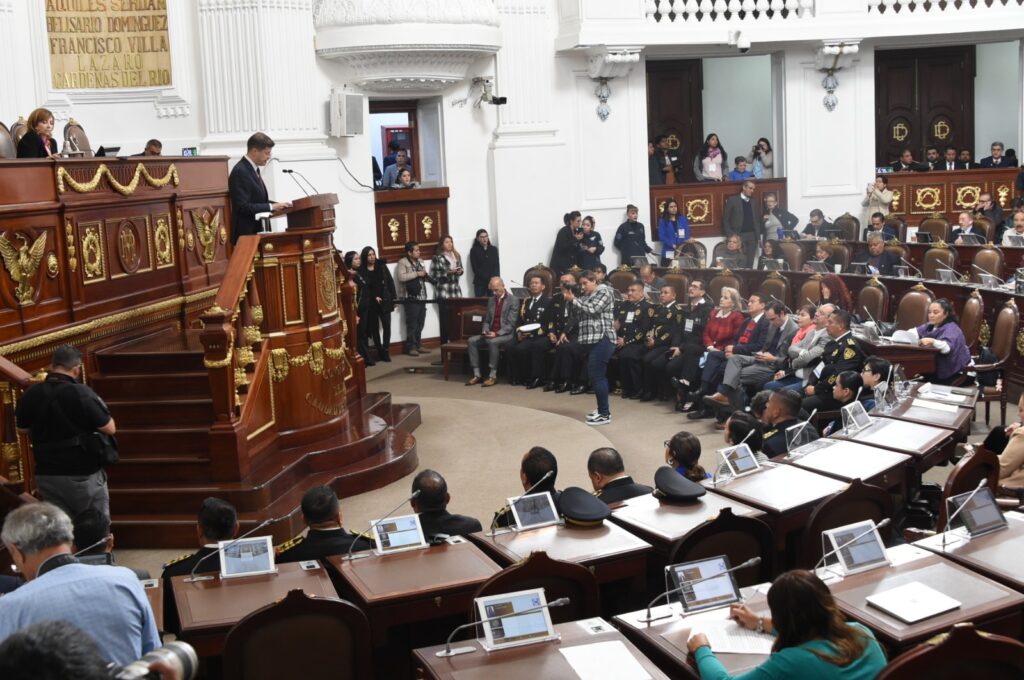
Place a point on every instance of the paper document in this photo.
(906, 337)
(729, 637)
(603, 660)
(935, 406)
(940, 393)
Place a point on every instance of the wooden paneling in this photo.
(675, 108)
(419, 215)
(918, 195)
(703, 203)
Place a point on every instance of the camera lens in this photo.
(179, 655)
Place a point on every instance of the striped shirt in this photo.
(597, 316)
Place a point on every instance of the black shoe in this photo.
(369, 362)
(385, 357)
(578, 389)
(548, 386)
(698, 413)
(562, 387)
(534, 384)
(635, 395)
(646, 396)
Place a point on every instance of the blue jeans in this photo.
(790, 381)
(597, 370)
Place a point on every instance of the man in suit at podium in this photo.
(248, 190)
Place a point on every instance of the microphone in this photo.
(813, 303)
(491, 530)
(985, 271)
(90, 547)
(919, 274)
(304, 179)
(192, 578)
(874, 527)
(784, 305)
(949, 521)
(868, 312)
(950, 269)
(647, 618)
(291, 173)
(348, 555)
(448, 651)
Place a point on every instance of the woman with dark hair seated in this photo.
(944, 334)
(835, 292)
(770, 250)
(682, 452)
(813, 641)
(745, 428)
(849, 387)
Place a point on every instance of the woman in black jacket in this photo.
(379, 293)
(567, 243)
(352, 263)
(483, 257)
(38, 141)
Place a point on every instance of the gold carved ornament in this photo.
(181, 230)
(246, 355)
(984, 333)
(941, 130)
(11, 452)
(92, 253)
(128, 247)
(428, 225)
(141, 172)
(928, 198)
(52, 266)
(698, 209)
(69, 235)
(206, 230)
(661, 207)
(393, 226)
(164, 249)
(219, 363)
(251, 335)
(673, 141)
(896, 196)
(280, 360)
(1003, 192)
(257, 314)
(328, 291)
(22, 262)
(967, 196)
(900, 131)
(1020, 342)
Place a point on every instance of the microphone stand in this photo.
(492, 530)
(919, 274)
(448, 651)
(291, 174)
(192, 578)
(874, 527)
(349, 556)
(985, 271)
(949, 520)
(648, 618)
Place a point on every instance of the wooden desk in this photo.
(209, 609)
(786, 493)
(414, 586)
(996, 556)
(913, 411)
(611, 552)
(154, 588)
(847, 461)
(541, 660)
(662, 524)
(970, 395)
(915, 359)
(991, 606)
(928, 445)
(664, 641)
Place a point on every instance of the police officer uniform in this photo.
(504, 517)
(841, 354)
(666, 321)
(442, 522)
(569, 368)
(633, 320)
(621, 489)
(527, 353)
(689, 339)
(320, 543)
(183, 566)
(774, 442)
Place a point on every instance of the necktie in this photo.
(949, 166)
(260, 177)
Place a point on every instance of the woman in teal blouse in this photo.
(812, 641)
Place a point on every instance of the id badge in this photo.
(818, 369)
(682, 233)
(629, 317)
(688, 326)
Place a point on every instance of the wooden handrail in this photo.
(237, 274)
(14, 374)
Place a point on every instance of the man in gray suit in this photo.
(753, 371)
(743, 218)
(499, 324)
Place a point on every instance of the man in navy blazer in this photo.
(997, 159)
(248, 191)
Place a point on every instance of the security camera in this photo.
(487, 96)
(743, 44)
(498, 101)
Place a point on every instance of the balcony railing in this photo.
(717, 11)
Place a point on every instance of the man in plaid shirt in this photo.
(597, 330)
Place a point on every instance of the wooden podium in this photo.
(230, 370)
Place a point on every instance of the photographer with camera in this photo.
(412, 280)
(596, 308)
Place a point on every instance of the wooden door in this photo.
(923, 97)
(675, 108)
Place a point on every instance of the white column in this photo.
(259, 74)
(15, 99)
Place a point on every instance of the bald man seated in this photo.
(609, 479)
(499, 323)
(432, 506)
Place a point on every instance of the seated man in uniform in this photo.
(842, 353)
(633, 317)
(217, 521)
(536, 463)
(432, 504)
(608, 477)
(780, 413)
(667, 317)
(526, 354)
(326, 536)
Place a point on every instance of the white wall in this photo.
(737, 102)
(996, 97)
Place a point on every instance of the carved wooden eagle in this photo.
(22, 263)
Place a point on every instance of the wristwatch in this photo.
(760, 624)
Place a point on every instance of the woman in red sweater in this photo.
(721, 329)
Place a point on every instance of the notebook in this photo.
(913, 602)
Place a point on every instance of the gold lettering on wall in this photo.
(108, 44)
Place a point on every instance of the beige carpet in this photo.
(476, 436)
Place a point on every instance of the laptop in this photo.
(510, 629)
(398, 534)
(533, 511)
(912, 602)
(865, 551)
(246, 557)
(740, 460)
(981, 515)
(715, 592)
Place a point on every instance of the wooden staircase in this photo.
(159, 395)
